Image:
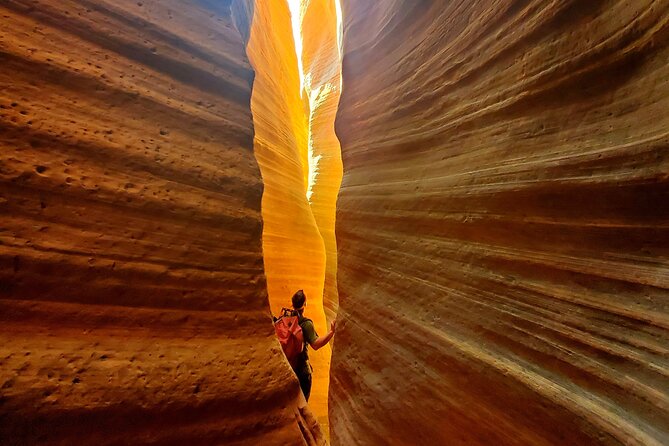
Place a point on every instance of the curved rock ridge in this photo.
(133, 302)
(503, 226)
(293, 250)
(321, 65)
(321, 75)
(298, 154)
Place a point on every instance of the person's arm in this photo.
(322, 340)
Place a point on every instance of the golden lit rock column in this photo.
(322, 83)
(503, 224)
(133, 304)
(293, 249)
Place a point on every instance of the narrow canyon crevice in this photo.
(321, 65)
(300, 160)
(170, 174)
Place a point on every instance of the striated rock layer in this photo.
(321, 65)
(298, 154)
(503, 226)
(133, 303)
(293, 249)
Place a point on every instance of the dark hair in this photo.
(298, 299)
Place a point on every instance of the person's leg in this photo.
(305, 385)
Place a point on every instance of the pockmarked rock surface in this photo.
(133, 302)
(503, 224)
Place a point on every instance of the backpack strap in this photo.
(301, 319)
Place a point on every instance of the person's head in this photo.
(299, 300)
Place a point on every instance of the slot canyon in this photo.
(477, 191)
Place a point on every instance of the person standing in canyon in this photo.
(302, 367)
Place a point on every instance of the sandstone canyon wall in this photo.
(503, 224)
(133, 303)
(298, 154)
(321, 62)
(293, 249)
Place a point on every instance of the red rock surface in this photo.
(133, 302)
(503, 226)
(503, 230)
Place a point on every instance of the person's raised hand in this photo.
(333, 325)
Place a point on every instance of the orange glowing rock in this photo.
(298, 154)
(321, 64)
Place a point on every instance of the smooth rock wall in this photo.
(133, 303)
(503, 225)
(321, 64)
(293, 249)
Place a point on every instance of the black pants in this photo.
(305, 384)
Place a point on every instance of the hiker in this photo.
(296, 333)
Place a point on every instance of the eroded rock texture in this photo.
(503, 224)
(298, 154)
(321, 64)
(133, 302)
(292, 245)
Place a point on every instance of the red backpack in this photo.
(290, 336)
